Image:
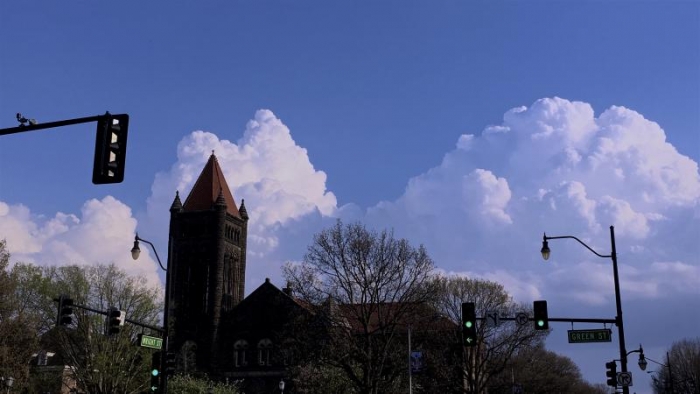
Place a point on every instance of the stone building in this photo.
(213, 328)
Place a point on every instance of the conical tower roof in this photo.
(206, 190)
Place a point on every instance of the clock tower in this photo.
(207, 249)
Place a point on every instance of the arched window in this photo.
(264, 349)
(239, 353)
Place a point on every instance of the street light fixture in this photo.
(135, 253)
(9, 381)
(618, 319)
(281, 386)
(642, 360)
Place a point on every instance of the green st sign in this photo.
(585, 336)
(152, 342)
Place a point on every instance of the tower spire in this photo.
(206, 190)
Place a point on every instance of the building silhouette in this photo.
(213, 330)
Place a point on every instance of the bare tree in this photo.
(364, 285)
(495, 345)
(681, 370)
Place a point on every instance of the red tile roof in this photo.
(207, 187)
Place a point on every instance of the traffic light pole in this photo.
(135, 252)
(618, 303)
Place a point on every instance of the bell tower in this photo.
(207, 247)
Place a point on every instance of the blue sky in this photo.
(471, 127)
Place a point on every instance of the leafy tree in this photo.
(364, 285)
(18, 339)
(495, 345)
(537, 370)
(98, 363)
(680, 373)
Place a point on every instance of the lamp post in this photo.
(135, 252)
(618, 319)
(9, 381)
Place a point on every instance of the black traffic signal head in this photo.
(115, 319)
(540, 312)
(611, 373)
(110, 149)
(169, 363)
(468, 324)
(65, 311)
(156, 372)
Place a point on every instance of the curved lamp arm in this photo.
(545, 247)
(136, 251)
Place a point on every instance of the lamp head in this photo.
(281, 385)
(545, 248)
(642, 361)
(135, 251)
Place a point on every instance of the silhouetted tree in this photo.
(363, 285)
(681, 372)
(475, 366)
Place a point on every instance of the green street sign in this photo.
(586, 336)
(151, 342)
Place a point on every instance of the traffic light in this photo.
(468, 324)
(169, 363)
(110, 149)
(155, 372)
(115, 319)
(541, 319)
(611, 373)
(65, 311)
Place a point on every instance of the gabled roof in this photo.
(266, 291)
(206, 190)
(421, 316)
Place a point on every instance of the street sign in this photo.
(492, 319)
(151, 342)
(522, 318)
(624, 378)
(585, 336)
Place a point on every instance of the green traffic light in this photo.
(155, 372)
(540, 323)
(468, 324)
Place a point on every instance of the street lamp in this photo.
(642, 360)
(618, 319)
(281, 386)
(9, 381)
(135, 252)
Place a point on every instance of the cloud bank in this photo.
(553, 166)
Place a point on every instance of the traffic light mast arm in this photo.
(134, 322)
(50, 125)
(560, 319)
